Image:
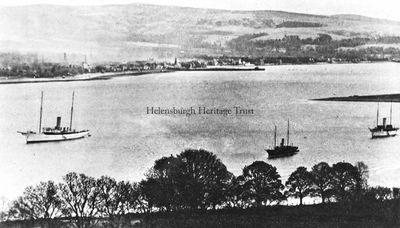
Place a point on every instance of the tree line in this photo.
(323, 45)
(193, 180)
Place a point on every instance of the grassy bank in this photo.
(367, 214)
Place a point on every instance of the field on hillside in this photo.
(118, 32)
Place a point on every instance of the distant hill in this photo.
(137, 31)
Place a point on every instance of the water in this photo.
(126, 141)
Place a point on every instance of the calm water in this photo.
(126, 141)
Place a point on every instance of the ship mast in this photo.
(41, 110)
(275, 137)
(390, 112)
(72, 110)
(288, 132)
(377, 115)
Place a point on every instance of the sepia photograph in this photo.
(197, 114)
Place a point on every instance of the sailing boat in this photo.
(282, 150)
(57, 133)
(384, 130)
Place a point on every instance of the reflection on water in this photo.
(125, 140)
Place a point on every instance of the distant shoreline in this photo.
(366, 98)
(109, 75)
(82, 77)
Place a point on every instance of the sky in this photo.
(387, 9)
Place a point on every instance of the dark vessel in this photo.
(384, 130)
(282, 150)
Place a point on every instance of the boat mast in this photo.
(288, 132)
(41, 110)
(390, 112)
(275, 137)
(72, 110)
(377, 115)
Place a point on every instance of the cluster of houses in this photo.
(65, 69)
(129, 66)
(208, 61)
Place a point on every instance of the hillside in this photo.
(134, 31)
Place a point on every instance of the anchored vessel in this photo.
(282, 150)
(384, 130)
(57, 133)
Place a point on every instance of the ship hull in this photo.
(41, 138)
(383, 134)
(284, 151)
(272, 156)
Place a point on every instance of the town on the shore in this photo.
(241, 54)
(33, 68)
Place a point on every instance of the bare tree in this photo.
(80, 198)
(41, 201)
(115, 199)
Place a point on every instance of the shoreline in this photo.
(394, 97)
(110, 75)
(82, 77)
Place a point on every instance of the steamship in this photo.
(57, 133)
(282, 150)
(384, 130)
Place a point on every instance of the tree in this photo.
(299, 183)
(107, 205)
(80, 197)
(150, 193)
(363, 175)
(41, 201)
(234, 197)
(204, 179)
(344, 180)
(262, 183)
(167, 175)
(127, 197)
(323, 39)
(114, 199)
(321, 175)
(379, 193)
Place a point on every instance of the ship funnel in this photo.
(384, 122)
(58, 122)
(283, 142)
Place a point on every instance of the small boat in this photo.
(282, 150)
(57, 133)
(384, 130)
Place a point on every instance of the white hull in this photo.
(380, 134)
(38, 138)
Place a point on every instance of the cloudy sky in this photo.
(382, 9)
